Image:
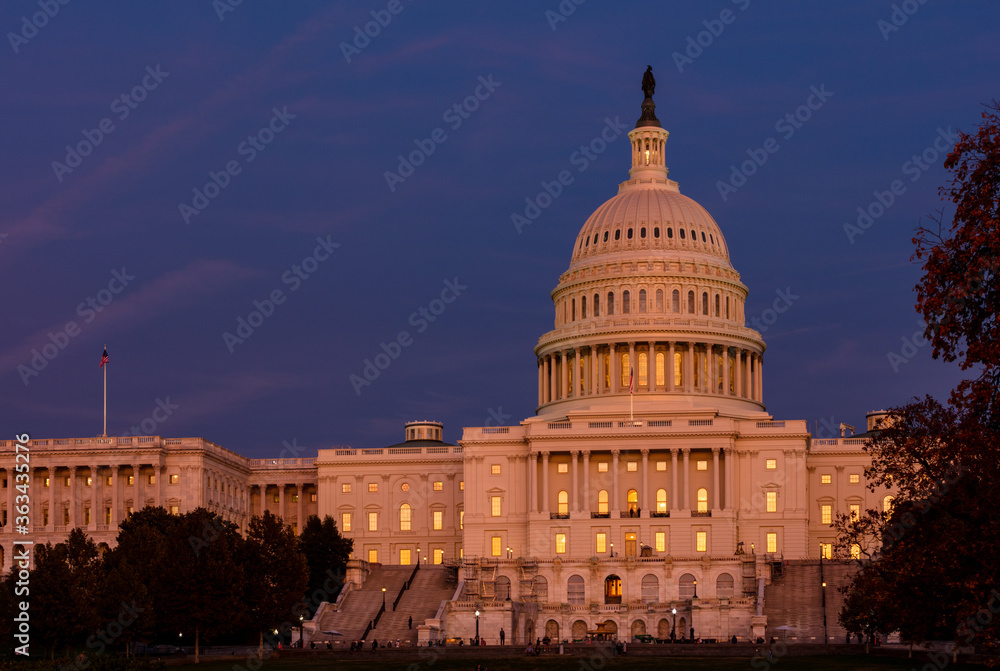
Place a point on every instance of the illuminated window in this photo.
(107, 514)
(661, 465)
(771, 464)
(174, 479)
(855, 511)
(825, 479)
(887, 504)
(494, 469)
(602, 467)
(45, 516)
(560, 544)
(563, 498)
(66, 481)
(626, 371)
(174, 510)
(643, 369)
(66, 514)
(602, 542)
(439, 486)
(373, 556)
(438, 520)
(277, 499)
(660, 541)
(405, 487)
(312, 498)
(345, 488)
(661, 373)
(438, 556)
(152, 480)
(826, 549)
(772, 542)
(701, 541)
(345, 521)
(107, 481)
(372, 521)
(701, 465)
(632, 498)
(495, 506)
(404, 557)
(855, 551)
(678, 364)
(461, 485)
(772, 501)
(602, 501)
(405, 515)
(826, 513)
(855, 478)
(702, 500)
(495, 546)
(642, 292)
(562, 468)
(372, 487)
(461, 519)
(86, 515)
(632, 466)
(130, 480)
(88, 480)
(661, 500)
(45, 482)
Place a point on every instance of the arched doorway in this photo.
(612, 589)
(639, 628)
(552, 631)
(503, 588)
(682, 625)
(611, 628)
(686, 586)
(663, 629)
(579, 630)
(632, 499)
(540, 589)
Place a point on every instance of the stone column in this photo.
(760, 378)
(644, 498)
(633, 371)
(52, 498)
(739, 372)
(545, 482)
(575, 497)
(668, 368)
(585, 507)
(541, 382)
(299, 519)
(564, 365)
(615, 365)
(686, 502)
(579, 388)
(95, 497)
(73, 499)
(673, 478)
(595, 387)
(136, 501)
(533, 482)
(651, 367)
(281, 501)
(615, 503)
(553, 392)
(725, 371)
(730, 465)
(715, 478)
(689, 368)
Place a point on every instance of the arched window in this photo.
(563, 502)
(605, 236)
(607, 370)
(626, 302)
(642, 301)
(611, 303)
(625, 369)
(703, 237)
(717, 299)
(682, 233)
(660, 372)
(572, 309)
(643, 369)
(656, 232)
(724, 586)
(583, 307)
(597, 305)
(678, 363)
(576, 590)
(602, 502)
(727, 307)
(694, 236)
(702, 500)
(633, 502)
(686, 585)
(642, 232)
(618, 234)
(704, 303)
(887, 504)
(628, 234)
(661, 500)
(675, 301)
(405, 515)
(503, 588)
(650, 588)
(540, 589)
(612, 589)
(690, 302)
(659, 300)
(670, 232)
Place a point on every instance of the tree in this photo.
(932, 569)
(276, 575)
(326, 553)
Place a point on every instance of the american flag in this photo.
(630, 376)
(104, 358)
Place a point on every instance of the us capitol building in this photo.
(650, 493)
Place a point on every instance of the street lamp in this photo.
(301, 646)
(673, 629)
(508, 552)
(695, 590)
(612, 549)
(477, 627)
(383, 598)
(751, 548)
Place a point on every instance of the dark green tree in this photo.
(326, 553)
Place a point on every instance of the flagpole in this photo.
(105, 434)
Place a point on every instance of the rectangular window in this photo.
(855, 551)
(826, 549)
(631, 466)
(128, 513)
(771, 464)
(345, 521)
(152, 480)
(345, 488)
(461, 519)
(405, 513)
(45, 517)
(373, 556)
(562, 468)
(772, 502)
(855, 511)
(560, 544)
(66, 481)
(174, 479)
(108, 481)
(438, 520)
(372, 487)
(494, 506)
(107, 515)
(494, 469)
(312, 498)
(701, 465)
(772, 542)
(602, 467)
(404, 557)
(175, 510)
(825, 479)
(661, 465)
(66, 516)
(602, 542)
(855, 478)
(438, 486)
(495, 546)
(46, 481)
(372, 521)
(461, 485)
(130, 480)
(277, 499)
(660, 541)
(295, 498)
(701, 541)
(86, 515)
(438, 556)
(826, 513)
(88, 480)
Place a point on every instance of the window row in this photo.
(436, 485)
(682, 234)
(576, 589)
(404, 518)
(407, 556)
(631, 502)
(707, 305)
(88, 480)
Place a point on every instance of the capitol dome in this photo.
(650, 312)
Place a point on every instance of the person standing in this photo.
(501, 636)
(374, 644)
(409, 622)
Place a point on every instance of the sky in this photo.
(246, 202)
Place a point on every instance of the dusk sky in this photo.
(298, 120)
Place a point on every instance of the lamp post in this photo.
(301, 645)
(612, 549)
(695, 590)
(508, 552)
(673, 629)
(383, 598)
(752, 548)
(477, 627)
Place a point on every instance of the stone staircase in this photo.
(362, 605)
(432, 585)
(795, 600)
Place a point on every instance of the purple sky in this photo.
(267, 92)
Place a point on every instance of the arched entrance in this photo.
(663, 629)
(579, 630)
(552, 631)
(612, 589)
(639, 628)
(682, 625)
